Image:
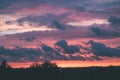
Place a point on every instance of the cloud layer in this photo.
(100, 49)
(57, 14)
(31, 22)
(60, 51)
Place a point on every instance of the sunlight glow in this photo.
(12, 29)
(88, 22)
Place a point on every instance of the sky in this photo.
(68, 30)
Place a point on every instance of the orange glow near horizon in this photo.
(72, 63)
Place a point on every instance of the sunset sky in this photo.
(73, 33)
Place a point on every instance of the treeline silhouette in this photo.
(50, 71)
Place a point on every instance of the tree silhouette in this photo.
(4, 64)
(35, 65)
(50, 71)
(45, 64)
(45, 71)
(48, 64)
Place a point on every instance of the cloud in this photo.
(100, 49)
(5, 4)
(50, 53)
(50, 20)
(19, 54)
(91, 7)
(57, 25)
(30, 39)
(54, 15)
(60, 51)
(33, 20)
(44, 52)
(77, 58)
(55, 22)
(47, 48)
(114, 21)
(14, 6)
(8, 22)
(109, 30)
(99, 32)
(45, 12)
(68, 49)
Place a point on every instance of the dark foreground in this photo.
(49, 71)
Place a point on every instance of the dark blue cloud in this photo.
(30, 39)
(111, 3)
(34, 20)
(50, 20)
(109, 31)
(61, 43)
(114, 21)
(29, 3)
(45, 52)
(32, 3)
(100, 49)
(57, 25)
(99, 32)
(69, 49)
(80, 5)
(19, 54)
(104, 33)
(47, 48)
